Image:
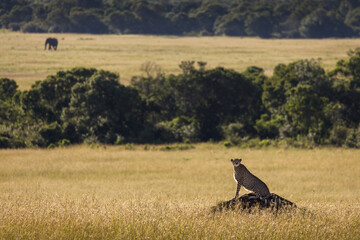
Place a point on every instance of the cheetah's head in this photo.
(236, 162)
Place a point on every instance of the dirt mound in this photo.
(251, 201)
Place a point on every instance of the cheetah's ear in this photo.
(232, 160)
(240, 160)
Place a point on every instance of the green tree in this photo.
(304, 111)
(353, 19)
(216, 97)
(182, 23)
(151, 17)
(8, 88)
(58, 21)
(87, 22)
(123, 22)
(346, 81)
(101, 108)
(207, 14)
(322, 24)
(300, 94)
(230, 25)
(268, 128)
(260, 24)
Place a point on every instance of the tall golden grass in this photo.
(141, 192)
(22, 56)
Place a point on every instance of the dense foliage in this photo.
(299, 103)
(271, 18)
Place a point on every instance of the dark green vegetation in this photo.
(300, 104)
(276, 18)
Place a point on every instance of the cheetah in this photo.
(250, 182)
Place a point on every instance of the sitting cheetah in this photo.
(246, 179)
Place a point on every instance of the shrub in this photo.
(129, 146)
(14, 26)
(351, 139)
(51, 133)
(234, 132)
(268, 128)
(338, 135)
(4, 142)
(181, 129)
(64, 142)
(227, 144)
(265, 143)
(51, 146)
(177, 147)
(119, 140)
(32, 27)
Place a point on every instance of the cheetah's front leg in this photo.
(237, 190)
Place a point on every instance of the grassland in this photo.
(22, 56)
(141, 192)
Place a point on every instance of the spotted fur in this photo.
(250, 182)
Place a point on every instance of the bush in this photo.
(64, 142)
(351, 139)
(4, 142)
(234, 132)
(14, 26)
(181, 129)
(119, 140)
(51, 133)
(268, 128)
(32, 27)
(177, 147)
(338, 135)
(51, 146)
(265, 143)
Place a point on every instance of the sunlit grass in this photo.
(146, 193)
(22, 56)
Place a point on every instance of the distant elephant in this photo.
(53, 42)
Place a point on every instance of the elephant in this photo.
(53, 42)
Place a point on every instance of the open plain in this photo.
(22, 56)
(145, 192)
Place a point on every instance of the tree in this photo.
(151, 18)
(353, 19)
(101, 109)
(182, 23)
(322, 24)
(230, 25)
(299, 93)
(346, 80)
(87, 22)
(124, 22)
(260, 24)
(58, 21)
(20, 14)
(268, 128)
(304, 111)
(216, 97)
(8, 110)
(207, 14)
(8, 88)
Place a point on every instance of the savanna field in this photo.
(146, 192)
(22, 56)
(162, 192)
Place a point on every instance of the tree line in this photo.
(266, 19)
(301, 104)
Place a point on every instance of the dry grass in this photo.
(114, 193)
(22, 56)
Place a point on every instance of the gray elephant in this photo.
(53, 42)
